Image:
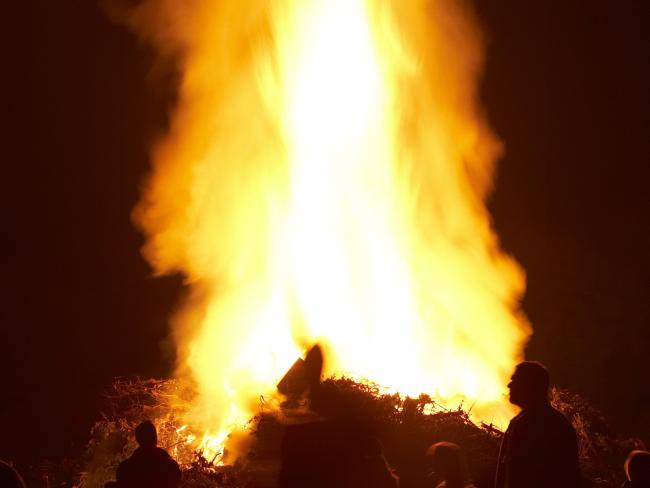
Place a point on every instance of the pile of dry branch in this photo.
(405, 426)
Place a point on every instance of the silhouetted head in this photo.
(145, 434)
(637, 467)
(448, 463)
(529, 384)
(9, 477)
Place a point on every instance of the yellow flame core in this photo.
(324, 181)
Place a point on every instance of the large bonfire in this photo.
(324, 181)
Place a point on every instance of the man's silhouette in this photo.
(637, 470)
(149, 466)
(539, 448)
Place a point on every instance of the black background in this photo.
(565, 87)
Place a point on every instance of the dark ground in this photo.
(565, 87)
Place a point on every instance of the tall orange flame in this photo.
(324, 180)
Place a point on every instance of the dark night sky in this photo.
(566, 88)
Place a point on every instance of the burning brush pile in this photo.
(405, 426)
(324, 180)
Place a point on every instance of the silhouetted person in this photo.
(637, 470)
(149, 466)
(539, 448)
(449, 464)
(9, 477)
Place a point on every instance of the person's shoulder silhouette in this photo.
(149, 466)
(9, 477)
(637, 469)
(540, 447)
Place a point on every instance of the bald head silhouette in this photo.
(529, 384)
